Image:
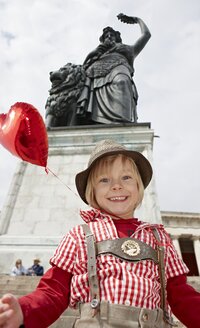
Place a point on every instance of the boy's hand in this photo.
(11, 315)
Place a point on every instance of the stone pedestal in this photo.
(40, 207)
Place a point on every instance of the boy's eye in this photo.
(103, 180)
(126, 177)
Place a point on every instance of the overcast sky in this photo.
(38, 36)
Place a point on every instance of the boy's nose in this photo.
(116, 185)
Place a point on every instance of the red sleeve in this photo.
(44, 305)
(184, 301)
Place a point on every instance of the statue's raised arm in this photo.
(142, 41)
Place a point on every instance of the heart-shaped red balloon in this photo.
(23, 133)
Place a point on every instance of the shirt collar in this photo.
(95, 214)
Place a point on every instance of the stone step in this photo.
(17, 285)
(16, 282)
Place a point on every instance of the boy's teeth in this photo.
(117, 198)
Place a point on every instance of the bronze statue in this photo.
(107, 94)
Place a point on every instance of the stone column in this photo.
(197, 251)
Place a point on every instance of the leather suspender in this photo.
(91, 266)
(161, 266)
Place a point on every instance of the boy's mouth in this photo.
(118, 198)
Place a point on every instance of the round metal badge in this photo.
(131, 248)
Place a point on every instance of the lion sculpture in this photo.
(66, 86)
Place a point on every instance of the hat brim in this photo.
(143, 165)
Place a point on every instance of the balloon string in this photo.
(47, 170)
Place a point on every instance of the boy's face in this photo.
(116, 189)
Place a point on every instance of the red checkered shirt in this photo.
(120, 282)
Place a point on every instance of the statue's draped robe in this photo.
(110, 94)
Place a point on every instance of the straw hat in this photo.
(111, 147)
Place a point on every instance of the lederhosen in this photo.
(102, 314)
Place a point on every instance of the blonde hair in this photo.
(18, 261)
(102, 166)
